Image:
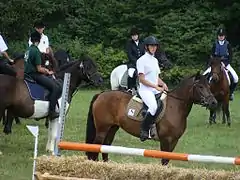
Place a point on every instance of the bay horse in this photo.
(119, 75)
(26, 99)
(107, 113)
(219, 83)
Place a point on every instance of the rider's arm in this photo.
(230, 52)
(39, 66)
(131, 58)
(4, 48)
(213, 49)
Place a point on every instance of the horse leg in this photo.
(99, 139)
(223, 115)
(17, 120)
(167, 145)
(3, 117)
(227, 112)
(8, 123)
(52, 136)
(212, 117)
(109, 139)
(47, 123)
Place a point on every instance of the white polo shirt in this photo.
(148, 65)
(3, 46)
(43, 45)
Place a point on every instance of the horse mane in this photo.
(87, 61)
(183, 82)
(66, 65)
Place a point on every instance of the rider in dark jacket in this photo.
(135, 49)
(222, 48)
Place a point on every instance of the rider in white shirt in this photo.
(4, 67)
(148, 72)
(43, 46)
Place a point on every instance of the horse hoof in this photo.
(7, 132)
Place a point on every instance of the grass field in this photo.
(16, 161)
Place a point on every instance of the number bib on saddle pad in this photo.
(136, 109)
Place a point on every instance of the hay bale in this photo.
(78, 166)
(47, 176)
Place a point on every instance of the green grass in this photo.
(16, 161)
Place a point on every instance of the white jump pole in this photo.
(62, 114)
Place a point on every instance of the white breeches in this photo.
(207, 71)
(234, 74)
(131, 72)
(229, 68)
(149, 99)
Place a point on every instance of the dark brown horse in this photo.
(107, 112)
(15, 96)
(48, 61)
(220, 88)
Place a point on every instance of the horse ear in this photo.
(68, 51)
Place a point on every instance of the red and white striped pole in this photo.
(146, 153)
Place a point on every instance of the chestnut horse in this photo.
(219, 84)
(107, 112)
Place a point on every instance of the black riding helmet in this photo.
(134, 31)
(35, 36)
(221, 32)
(151, 40)
(39, 24)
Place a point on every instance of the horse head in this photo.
(216, 68)
(62, 56)
(201, 93)
(163, 61)
(83, 69)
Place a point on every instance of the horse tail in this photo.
(91, 129)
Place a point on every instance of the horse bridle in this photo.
(202, 101)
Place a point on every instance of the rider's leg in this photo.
(7, 69)
(149, 99)
(51, 85)
(207, 72)
(131, 80)
(235, 80)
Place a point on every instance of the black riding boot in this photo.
(145, 126)
(130, 82)
(232, 89)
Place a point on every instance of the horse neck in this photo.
(185, 102)
(74, 81)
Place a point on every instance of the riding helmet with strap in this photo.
(151, 40)
(221, 32)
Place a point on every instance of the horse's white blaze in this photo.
(41, 108)
(116, 76)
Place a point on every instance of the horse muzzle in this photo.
(210, 102)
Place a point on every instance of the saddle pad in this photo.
(36, 91)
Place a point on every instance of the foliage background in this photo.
(185, 28)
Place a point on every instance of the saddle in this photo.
(137, 109)
(36, 91)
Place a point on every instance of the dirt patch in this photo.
(78, 166)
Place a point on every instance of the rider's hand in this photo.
(11, 60)
(159, 88)
(165, 87)
(50, 72)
